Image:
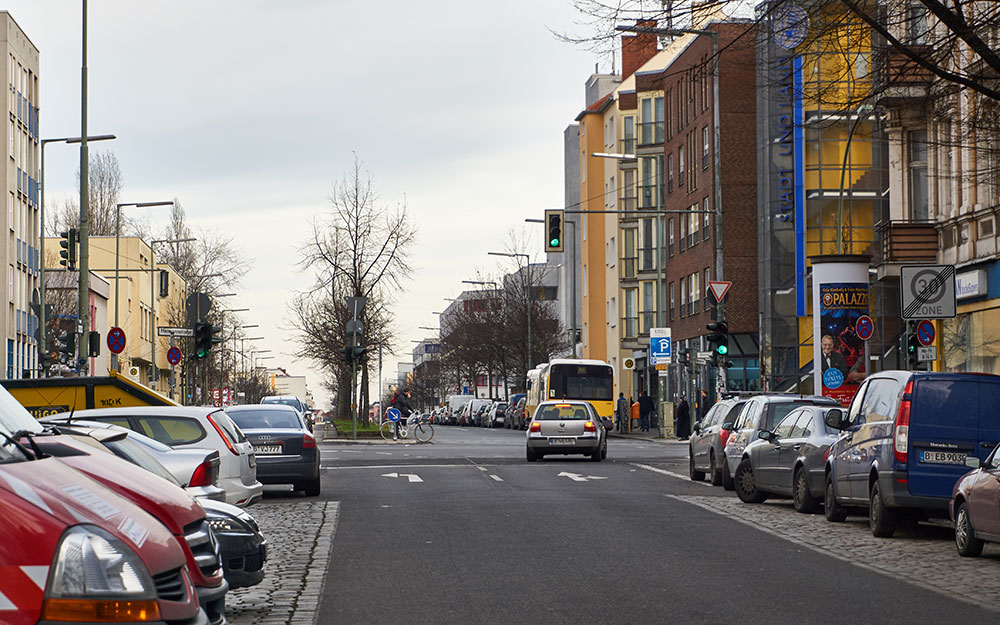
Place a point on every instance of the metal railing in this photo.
(650, 133)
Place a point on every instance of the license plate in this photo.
(267, 449)
(562, 440)
(943, 457)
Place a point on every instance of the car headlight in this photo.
(97, 577)
(226, 523)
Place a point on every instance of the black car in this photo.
(286, 450)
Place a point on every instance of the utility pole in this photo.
(83, 318)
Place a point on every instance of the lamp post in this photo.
(527, 294)
(118, 228)
(862, 114)
(152, 304)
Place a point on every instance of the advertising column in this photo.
(840, 298)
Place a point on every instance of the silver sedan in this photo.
(567, 427)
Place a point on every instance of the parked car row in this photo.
(911, 446)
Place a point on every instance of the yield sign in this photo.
(719, 288)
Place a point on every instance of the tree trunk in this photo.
(364, 403)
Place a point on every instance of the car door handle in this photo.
(797, 447)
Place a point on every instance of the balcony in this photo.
(896, 77)
(650, 134)
(907, 242)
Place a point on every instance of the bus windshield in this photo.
(591, 382)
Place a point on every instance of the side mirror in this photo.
(696, 428)
(765, 435)
(728, 425)
(834, 418)
(973, 462)
(606, 421)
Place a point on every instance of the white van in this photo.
(454, 405)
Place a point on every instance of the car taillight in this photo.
(535, 427)
(901, 437)
(229, 443)
(589, 427)
(723, 437)
(202, 475)
(308, 442)
(826, 454)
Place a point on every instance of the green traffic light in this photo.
(554, 242)
(722, 349)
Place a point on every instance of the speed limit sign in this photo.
(927, 291)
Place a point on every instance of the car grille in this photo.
(170, 586)
(204, 547)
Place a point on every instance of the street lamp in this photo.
(152, 307)
(41, 219)
(527, 293)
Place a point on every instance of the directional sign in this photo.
(410, 477)
(864, 327)
(163, 331)
(925, 332)
(393, 415)
(174, 355)
(576, 477)
(927, 291)
(719, 288)
(116, 340)
(659, 346)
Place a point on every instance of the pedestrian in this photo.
(621, 411)
(703, 407)
(645, 410)
(683, 419)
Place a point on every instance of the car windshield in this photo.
(561, 412)
(285, 401)
(135, 452)
(265, 419)
(13, 416)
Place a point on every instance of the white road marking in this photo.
(576, 477)
(670, 473)
(411, 477)
(482, 468)
(497, 478)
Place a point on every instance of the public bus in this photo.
(567, 378)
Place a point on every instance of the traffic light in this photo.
(202, 339)
(94, 344)
(347, 355)
(553, 231)
(912, 343)
(67, 349)
(718, 341)
(355, 355)
(68, 251)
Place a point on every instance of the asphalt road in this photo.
(465, 530)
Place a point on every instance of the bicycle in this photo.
(416, 425)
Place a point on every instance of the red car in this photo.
(975, 505)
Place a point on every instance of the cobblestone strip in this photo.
(930, 562)
(299, 536)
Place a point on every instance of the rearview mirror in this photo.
(834, 418)
(973, 462)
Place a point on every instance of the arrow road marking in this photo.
(576, 477)
(411, 477)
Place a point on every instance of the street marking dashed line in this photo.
(497, 478)
(670, 473)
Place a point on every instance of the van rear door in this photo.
(944, 429)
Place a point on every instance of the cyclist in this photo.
(401, 402)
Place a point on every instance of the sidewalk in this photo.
(652, 436)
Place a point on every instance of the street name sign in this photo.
(659, 346)
(927, 291)
(163, 331)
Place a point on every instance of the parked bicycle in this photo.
(416, 426)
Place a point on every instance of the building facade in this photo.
(19, 318)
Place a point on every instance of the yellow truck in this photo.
(45, 396)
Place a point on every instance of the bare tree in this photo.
(106, 183)
(359, 248)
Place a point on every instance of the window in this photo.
(705, 220)
(613, 317)
(684, 291)
(695, 293)
(672, 302)
(880, 401)
(613, 255)
(670, 234)
(680, 166)
(668, 105)
(670, 172)
(648, 308)
(628, 131)
(646, 258)
(985, 228)
(693, 226)
(704, 147)
(919, 207)
(787, 425)
(916, 24)
(708, 295)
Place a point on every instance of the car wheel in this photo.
(802, 497)
(311, 488)
(596, 455)
(532, 456)
(696, 476)
(881, 518)
(604, 449)
(727, 479)
(833, 511)
(714, 470)
(965, 538)
(746, 486)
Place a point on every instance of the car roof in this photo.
(268, 406)
(169, 411)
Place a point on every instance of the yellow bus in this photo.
(568, 378)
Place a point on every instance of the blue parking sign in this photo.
(660, 346)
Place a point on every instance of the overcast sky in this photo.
(246, 111)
